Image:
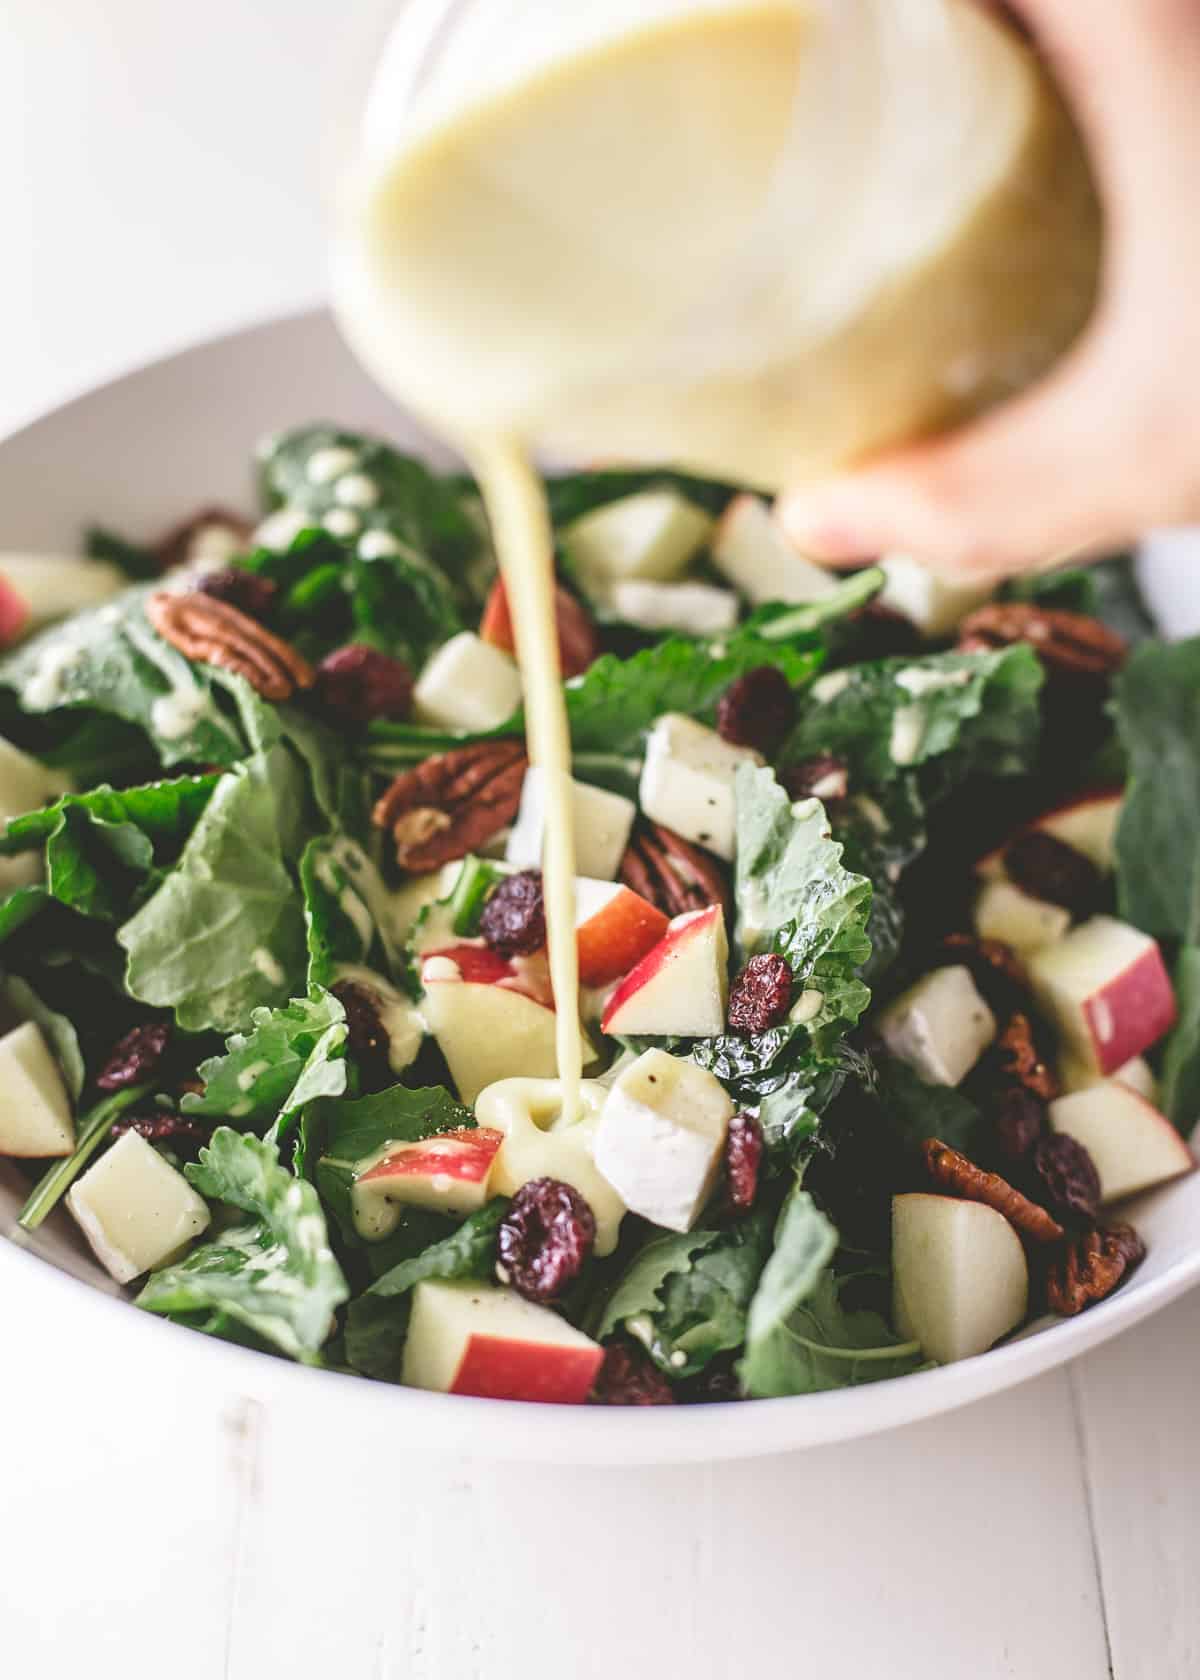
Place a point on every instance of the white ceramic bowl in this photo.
(139, 453)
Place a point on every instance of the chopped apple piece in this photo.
(577, 640)
(1005, 912)
(1077, 1075)
(472, 1338)
(696, 609)
(467, 685)
(14, 612)
(35, 1111)
(614, 929)
(681, 986)
(449, 1172)
(753, 553)
(959, 1275)
(1107, 990)
(653, 534)
(687, 781)
(603, 821)
(661, 1137)
(488, 1027)
(931, 600)
(52, 585)
(135, 1210)
(940, 1027)
(540, 1143)
(1087, 822)
(1133, 1146)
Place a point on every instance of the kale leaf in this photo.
(290, 1056)
(341, 1134)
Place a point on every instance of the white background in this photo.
(158, 181)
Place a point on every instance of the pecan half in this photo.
(994, 967)
(1090, 1266)
(212, 631)
(1066, 642)
(1018, 1059)
(452, 804)
(209, 537)
(670, 873)
(953, 1173)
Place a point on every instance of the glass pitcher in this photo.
(756, 240)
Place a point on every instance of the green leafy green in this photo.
(91, 1130)
(289, 1056)
(822, 1344)
(341, 929)
(571, 495)
(913, 1111)
(224, 934)
(1179, 1088)
(377, 1321)
(110, 660)
(778, 623)
(965, 710)
(58, 1031)
(344, 1133)
(275, 1275)
(135, 560)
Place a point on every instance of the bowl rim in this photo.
(529, 1431)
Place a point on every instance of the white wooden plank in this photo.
(956, 1547)
(1138, 1407)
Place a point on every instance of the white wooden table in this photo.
(156, 185)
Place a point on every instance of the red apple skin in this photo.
(612, 942)
(654, 959)
(14, 612)
(495, 1368)
(578, 643)
(470, 1161)
(1140, 1007)
(478, 963)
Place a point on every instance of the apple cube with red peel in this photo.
(681, 986)
(1133, 1146)
(51, 586)
(960, 1279)
(603, 822)
(940, 1027)
(1087, 822)
(449, 1172)
(35, 1111)
(661, 1138)
(485, 1031)
(14, 612)
(751, 550)
(1076, 1075)
(1006, 912)
(1107, 990)
(614, 929)
(473, 1338)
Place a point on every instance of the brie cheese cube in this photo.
(940, 1027)
(468, 684)
(687, 781)
(653, 534)
(1004, 911)
(753, 553)
(697, 609)
(932, 602)
(603, 822)
(35, 1112)
(135, 1210)
(661, 1138)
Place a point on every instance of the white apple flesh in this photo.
(1005, 912)
(681, 986)
(653, 535)
(959, 1273)
(449, 1173)
(1134, 1147)
(940, 1027)
(929, 600)
(696, 609)
(750, 549)
(486, 1031)
(472, 1338)
(1137, 1074)
(603, 821)
(687, 781)
(35, 1111)
(1087, 822)
(52, 585)
(614, 929)
(661, 1137)
(468, 684)
(135, 1210)
(1107, 990)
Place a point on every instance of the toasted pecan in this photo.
(1019, 1061)
(958, 1176)
(1090, 1266)
(214, 632)
(453, 803)
(670, 873)
(1066, 642)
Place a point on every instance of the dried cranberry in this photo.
(545, 1237)
(358, 684)
(367, 1040)
(1018, 1121)
(881, 633)
(247, 591)
(629, 1377)
(514, 917)
(757, 710)
(135, 1057)
(824, 777)
(760, 996)
(743, 1159)
(185, 1136)
(1065, 1177)
(1048, 868)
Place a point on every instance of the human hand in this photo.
(1108, 444)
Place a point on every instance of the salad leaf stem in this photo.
(94, 1127)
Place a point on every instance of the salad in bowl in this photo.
(883, 915)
